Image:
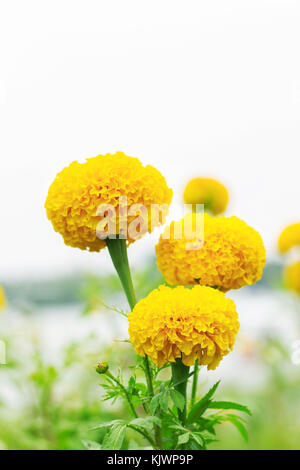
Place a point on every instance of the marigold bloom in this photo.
(79, 189)
(207, 191)
(232, 256)
(198, 323)
(2, 299)
(289, 237)
(292, 276)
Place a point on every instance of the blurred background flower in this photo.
(292, 276)
(207, 191)
(2, 299)
(289, 237)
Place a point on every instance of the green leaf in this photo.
(164, 401)
(141, 388)
(205, 424)
(194, 446)
(177, 427)
(154, 420)
(211, 391)
(183, 438)
(146, 423)
(178, 399)
(228, 405)
(108, 424)
(202, 405)
(198, 438)
(154, 404)
(91, 445)
(235, 420)
(195, 443)
(142, 423)
(131, 382)
(197, 411)
(113, 440)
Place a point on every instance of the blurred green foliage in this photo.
(55, 406)
(90, 288)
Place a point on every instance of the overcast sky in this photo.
(191, 87)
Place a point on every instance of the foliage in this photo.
(159, 419)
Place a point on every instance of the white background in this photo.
(191, 87)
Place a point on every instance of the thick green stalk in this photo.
(180, 375)
(195, 382)
(118, 252)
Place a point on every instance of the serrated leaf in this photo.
(202, 405)
(91, 445)
(178, 399)
(212, 390)
(239, 426)
(206, 424)
(154, 420)
(183, 438)
(141, 423)
(194, 445)
(146, 423)
(164, 401)
(228, 405)
(177, 426)
(154, 404)
(198, 440)
(113, 440)
(108, 424)
(198, 410)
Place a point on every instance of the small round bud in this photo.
(102, 368)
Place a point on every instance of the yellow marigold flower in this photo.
(80, 188)
(289, 238)
(232, 255)
(198, 323)
(2, 299)
(207, 191)
(292, 276)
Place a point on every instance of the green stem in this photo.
(148, 376)
(157, 429)
(143, 433)
(118, 252)
(180, 375)
(195, 382)
(121, 386)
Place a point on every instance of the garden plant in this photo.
(111, 201)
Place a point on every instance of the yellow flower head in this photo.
(289, 238)
(207, 191)
(292, 276)
(81, 188)
(198, 323)
(2, 299)
(231, 256)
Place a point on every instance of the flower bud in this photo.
(102, 368)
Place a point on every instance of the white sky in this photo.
(191, 87)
